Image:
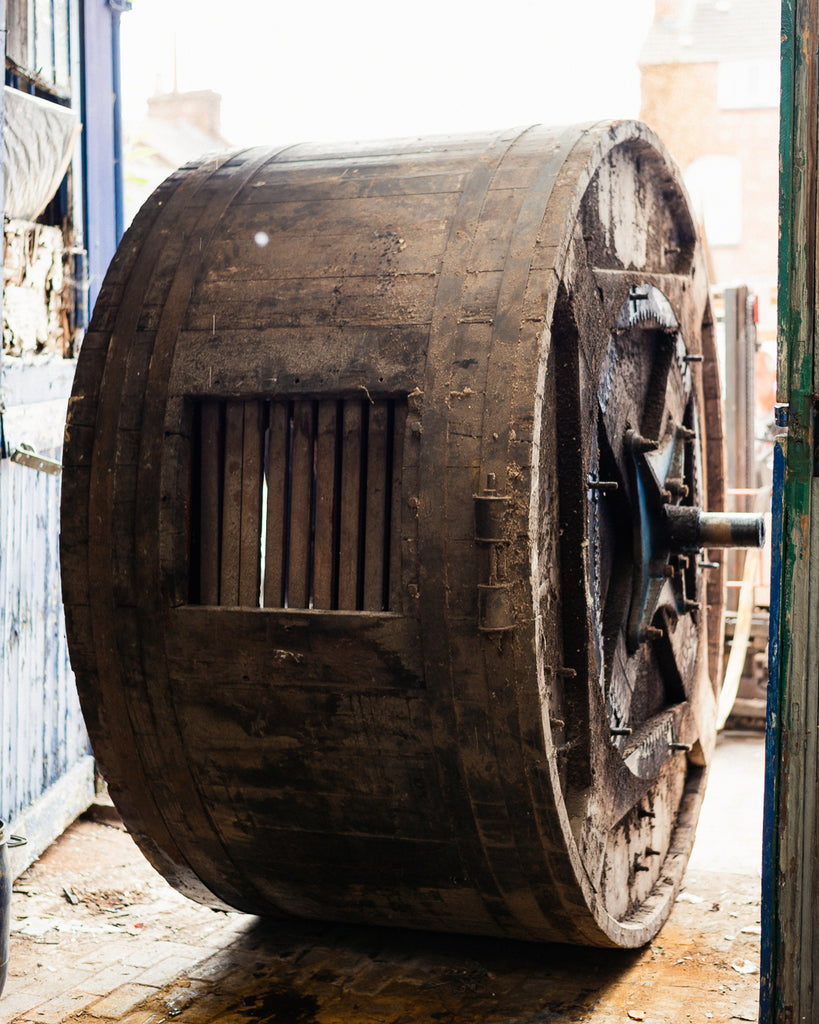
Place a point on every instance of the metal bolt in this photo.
(680, 746)
(692, 358)
(653, 633)
(618, 731)
(686, 433)
(676, 486)
(692, 606)
(602, 485)
(708, 565)
(644, 444)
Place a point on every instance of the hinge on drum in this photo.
(494, 594)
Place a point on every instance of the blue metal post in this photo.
(769, 845)
(102, 138)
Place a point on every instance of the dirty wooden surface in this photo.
(437, 747)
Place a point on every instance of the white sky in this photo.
(325, 69)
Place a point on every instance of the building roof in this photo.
(172, 143)
(708, 31)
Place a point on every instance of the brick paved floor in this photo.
(99, 937)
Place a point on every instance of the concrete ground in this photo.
(98, 937)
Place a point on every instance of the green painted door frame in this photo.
(790, 961)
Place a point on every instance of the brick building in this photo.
(710, 88)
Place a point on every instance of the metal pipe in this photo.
(690, 529)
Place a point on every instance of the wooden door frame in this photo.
(789, 993)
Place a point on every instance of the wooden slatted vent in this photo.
(294, 503)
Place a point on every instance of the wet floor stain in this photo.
(279, 1005)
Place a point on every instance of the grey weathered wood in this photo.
(325, 505)
(277, 506)
(231, 545)
(210, 502)
(375, 513)
(400, 487)
(350, 505)
(298, 576)
(251, 526)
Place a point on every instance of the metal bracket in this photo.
(26, 455)
(494, 594)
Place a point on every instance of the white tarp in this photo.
(38, 142)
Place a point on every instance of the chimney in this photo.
(668, 8)
(203, 109)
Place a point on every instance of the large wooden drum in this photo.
(389, 588)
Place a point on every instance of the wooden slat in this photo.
(251, 361)
(17, 34)
(252, 472)
(62, 66)
(232, 505)
(395, 584)
(44, 41)
(357, 299)
(319, 254)
(209, 502)
(325, 501)
(422, 215)
(370, 179)
(277, 460)
(375, 559)
(298, 573)
(349, 508)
